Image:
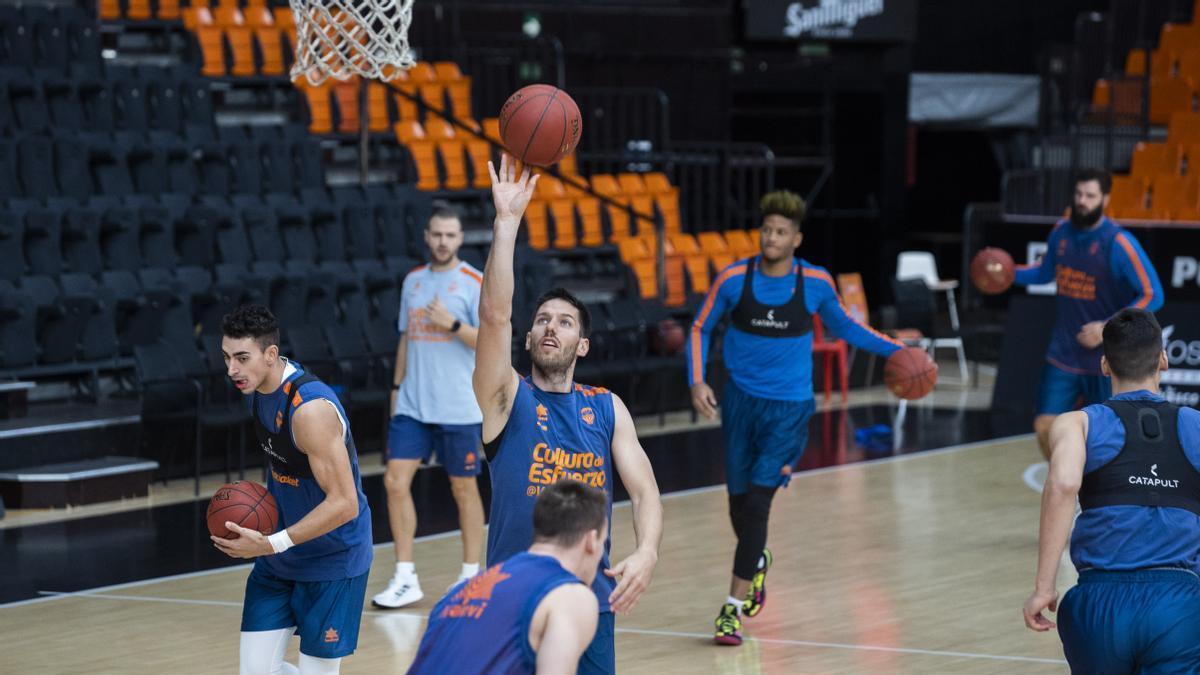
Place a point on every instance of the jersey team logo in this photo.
(472, 599)
(331, 635)
(588, 415)
(278, 420)
(1094, 248)
(543, 416)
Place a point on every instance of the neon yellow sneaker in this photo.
(729, 626)
(756, 597)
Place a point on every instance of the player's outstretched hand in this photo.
(633, 578)
(248, 543)
(1035, 605)
(511, 193)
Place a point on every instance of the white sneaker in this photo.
(400, 591)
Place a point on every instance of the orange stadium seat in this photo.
(168, 10)
(320, 111)
(346, 95)
(589, 220)
(412, 135)
(676, 283)
(631, 184)
(110, 10)
(1176, 197)
(378, 118)
(433, 95)
(258, 16)
(548, 187)
(684, 243)
(1162, 63)
(1184, 129)
(422, 72)
(1169, 96)
(241, 46)
(211, 38)
(1123, 95)
(537, 225)
(139, 10)
(563, 212)
(1150, 159)
(1188, 64)
(1191, 160)
(479, 152)
(285, 19)
(491, 128)
(450, 148)
(567, 166)
(1130, 198)
(713, 243)
(1177, 37)
(741, 243)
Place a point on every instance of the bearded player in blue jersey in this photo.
(1099, 269)
(547, 427)
(1133, 462)
(771, 299)
(310, 577)
(533, 612)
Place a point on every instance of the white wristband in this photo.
(280, 541)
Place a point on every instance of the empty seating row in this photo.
(89, 237)
(123, 99)
(438, 87)
(561, 210)
(691, 262)
(61, 40)
(84, 165)
(1158, 197)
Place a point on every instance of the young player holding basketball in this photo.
(546, 427)
(432, 404)
(1134, 464)
(771, 298)
(1099, 268)
(310, 577)
(532, 612)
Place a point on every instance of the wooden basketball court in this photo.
(917, 564)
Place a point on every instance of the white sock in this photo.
(735, 602)
(469, 570)
(406, 569)
(762, 560)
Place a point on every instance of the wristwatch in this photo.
(457, 324)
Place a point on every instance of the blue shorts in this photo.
(600, 658)
(763, 438)
(326, 614)
(1145, 622)
(457, 445)
(1061, 391)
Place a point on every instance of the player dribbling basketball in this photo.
(310, 577)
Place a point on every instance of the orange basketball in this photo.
(992, 271)
(244, 503)
(910, 373)
(667, 338)
(540, 124)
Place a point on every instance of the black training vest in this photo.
(790, 319)
(1151, 469)
(278, 445)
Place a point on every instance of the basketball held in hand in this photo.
(540, 125)
(910, 373)
(243, 503)
(992, 271)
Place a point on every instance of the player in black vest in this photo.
(1134, 462)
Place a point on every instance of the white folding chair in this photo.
(922, 265)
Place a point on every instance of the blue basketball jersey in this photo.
(1135, 537)
(482, 625)
(549, 436)
(342, 553)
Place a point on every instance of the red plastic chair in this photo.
(834, 350)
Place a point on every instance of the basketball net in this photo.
(341, 39)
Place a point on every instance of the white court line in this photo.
(631, 631)
(1030, 476)
(625, 502)
(865, 648)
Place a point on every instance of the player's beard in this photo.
(1085, 219)
(554, 367)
